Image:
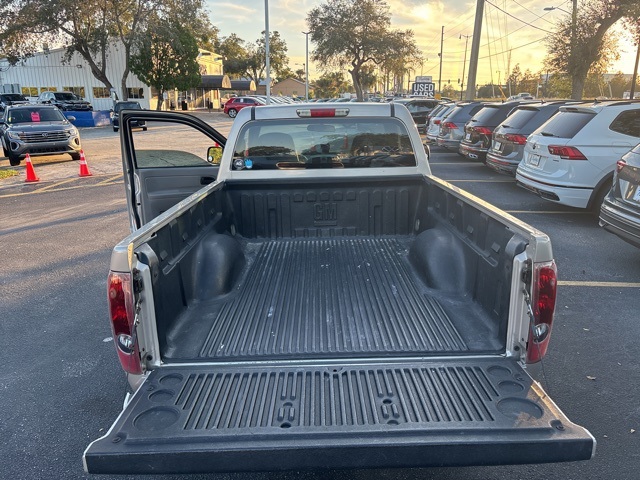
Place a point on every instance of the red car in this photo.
(235, 104)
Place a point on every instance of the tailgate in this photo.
(372, 415)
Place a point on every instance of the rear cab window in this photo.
(323, 143)
(565, 124)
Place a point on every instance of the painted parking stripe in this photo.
(110, 179)
(475, 164)
(75, 187)
(54, 185)
(547, 212)
(483, 181)
(571, 283)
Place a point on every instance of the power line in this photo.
(520, 20)
(541, 17)
(515, 48)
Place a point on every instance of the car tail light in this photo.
(518, 139)
(322, 112)
(567, 153)
(620, 164)
(483, 130)
(121, 312)
(450, 125)
(436, 122)
(543, 304)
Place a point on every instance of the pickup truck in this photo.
(323, 301)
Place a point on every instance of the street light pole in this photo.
(440, 74)
(266, 48)
(306, 67)
(464, 64)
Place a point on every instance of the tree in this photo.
(330, 85)
(593, 47)
(249, 59)
(619, 84)
(235, 54)
(352, 33)
(165, 56)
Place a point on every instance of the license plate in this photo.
(467, 136)
(534, 160)
(497, 146)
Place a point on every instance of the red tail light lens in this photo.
(436, 122)
(567, 153)
(450, 125)
(518, 139)
(543, 303)
(121, 311)
(322, 112)
(620, 164)
(483, 130)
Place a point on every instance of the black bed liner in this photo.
(216, 418)
(331, 298)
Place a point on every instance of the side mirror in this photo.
(71, 118)
(214, 154)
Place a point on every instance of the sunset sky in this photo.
(500, 33)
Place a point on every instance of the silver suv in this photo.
(37, 130)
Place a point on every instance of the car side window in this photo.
(627, 123)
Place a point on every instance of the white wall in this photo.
(48, 70)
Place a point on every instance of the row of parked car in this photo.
(583, 155)
(67, 101)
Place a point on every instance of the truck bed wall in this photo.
(455, 248)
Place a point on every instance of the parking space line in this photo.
(110, 179)
(53, 185)
(571, 283)
(475, 164)
(75, 187)
(547, 212)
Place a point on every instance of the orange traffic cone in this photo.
(31, 173)
(84, 168)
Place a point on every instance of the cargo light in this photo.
(543, 304)
(121, 312)
(566, 153)
(322, 112)
(518, 139)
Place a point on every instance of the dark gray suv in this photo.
(37, 130)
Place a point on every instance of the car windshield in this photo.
(34, 115)
(323, 143)
(127, 106)
(66, 96)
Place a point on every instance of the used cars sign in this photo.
(425, 89)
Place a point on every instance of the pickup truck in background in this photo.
(320, 300)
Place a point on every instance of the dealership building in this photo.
(49, 71)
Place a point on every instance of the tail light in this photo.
(450, 125)
(122, 314)
(436, 122)
(518, 139)
(567, 153)
(322, 112)
(543, 304)
(620, 164)
(483, 131)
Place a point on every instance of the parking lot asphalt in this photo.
(62, 386)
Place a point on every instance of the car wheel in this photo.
(233, 112)
(75, 156)
(115, 129)
(14, 161)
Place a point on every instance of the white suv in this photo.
(570, 159)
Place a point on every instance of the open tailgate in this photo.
(189, 418)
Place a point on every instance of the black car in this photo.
(65, 101)
(620, 211)
(452, 126)
(509, 138)
(7, 99)
(478, 131)
(419, 109)
(126, 105)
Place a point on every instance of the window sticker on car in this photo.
(35, 116)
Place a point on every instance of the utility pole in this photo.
(635, 73)
(464, 64)
(306, 66)
(475, 51)
(440, 55)
(266, 48)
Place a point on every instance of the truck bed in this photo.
(336, 298)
